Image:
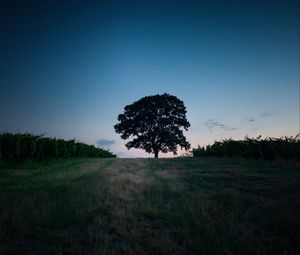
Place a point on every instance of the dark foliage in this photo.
(155, 122)
(253, 148)
(28, 147)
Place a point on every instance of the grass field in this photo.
(149, 206)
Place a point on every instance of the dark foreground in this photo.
(148, 206)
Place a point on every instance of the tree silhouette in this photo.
(155, 124)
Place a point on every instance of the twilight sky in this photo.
(68, 68)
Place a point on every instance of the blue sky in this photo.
(68, 68)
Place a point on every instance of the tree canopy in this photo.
(155, 123)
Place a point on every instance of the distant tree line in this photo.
(253, 148)
(28, 147)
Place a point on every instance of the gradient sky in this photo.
(68, 68)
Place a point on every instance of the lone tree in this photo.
(155, 124)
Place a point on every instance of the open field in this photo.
(150, 206)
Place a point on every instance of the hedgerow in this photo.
(29, 147)
(253, 148)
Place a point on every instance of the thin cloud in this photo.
(213, 124)
(261, 116)
(265, 114)
(122, 154)
(105, 142)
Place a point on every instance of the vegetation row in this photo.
(28, 147)
(253, 148)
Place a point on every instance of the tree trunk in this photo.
(155, 154)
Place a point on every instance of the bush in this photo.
(254, 148)
(28, 147)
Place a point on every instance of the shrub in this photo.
(254, 148)
(28, 147)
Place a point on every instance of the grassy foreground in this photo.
(148, 206)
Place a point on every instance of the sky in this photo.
(68, 68)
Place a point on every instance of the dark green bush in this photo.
(254, 148)
(28, 147)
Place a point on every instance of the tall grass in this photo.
(253, 148)
(29, 147)
(145, 206)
